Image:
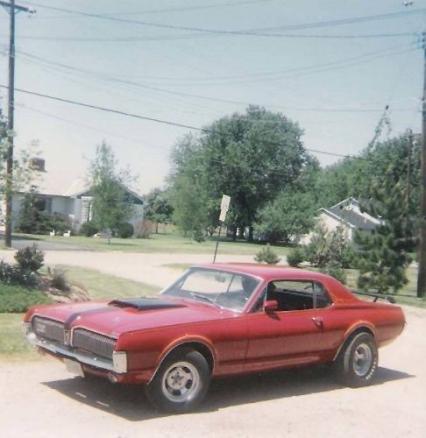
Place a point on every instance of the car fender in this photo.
(351, 330)
(188, 339)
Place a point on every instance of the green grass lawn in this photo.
(100, 286)
(13, 345)
(15, 298)
(158, 243)
(104, 286)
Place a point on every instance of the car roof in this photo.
(268, 273)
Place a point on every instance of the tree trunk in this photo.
(250, 234)
(234, 234)
(156, 227)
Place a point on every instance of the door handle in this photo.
(318, 322)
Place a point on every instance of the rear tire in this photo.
(357, 363)
(181, 382)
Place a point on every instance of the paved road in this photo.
(39, 399)
(148, 268)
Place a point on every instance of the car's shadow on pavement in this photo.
(129, 401)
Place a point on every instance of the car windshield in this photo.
(220, 288)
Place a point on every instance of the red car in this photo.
(218, 320)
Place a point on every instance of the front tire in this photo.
(181, 382)
(357, 362)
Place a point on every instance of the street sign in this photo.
(224, 207)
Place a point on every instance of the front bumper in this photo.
(92, 360)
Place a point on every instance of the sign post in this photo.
(224, 207)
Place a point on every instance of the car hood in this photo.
(122, 316)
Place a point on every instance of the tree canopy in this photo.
(250, 157)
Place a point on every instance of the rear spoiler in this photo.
(376, 296)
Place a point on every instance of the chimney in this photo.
(37, 164)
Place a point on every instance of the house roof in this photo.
(349, 212)
(79, 187)
(86, 191)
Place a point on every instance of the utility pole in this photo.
(11, 8)
(421, 279)
(409, 154)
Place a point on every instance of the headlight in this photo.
(26, 327)
(119, 361)
(30, 335)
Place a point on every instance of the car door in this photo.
(298, 332)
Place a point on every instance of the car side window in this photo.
(297, 295)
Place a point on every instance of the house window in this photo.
(86, 209)
(43, 204)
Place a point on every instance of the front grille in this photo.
(93, 342)
(48, 329)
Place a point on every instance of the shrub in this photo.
(329, 247)
(296, 257)
(336, 271)
(198, 235)
(29, 259)
(125, 230)
(9, 274)
(89, 229)
(58, 222)
(33, 221)
(17, 299)
(267, 255)
(58, 280)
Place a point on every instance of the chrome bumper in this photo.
(62, 350)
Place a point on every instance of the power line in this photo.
(260, 75)
(141, 117)
(180, 9)
(262, 32)
(72, 122)
(120, 39)
(296, 71)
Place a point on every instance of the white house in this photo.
(347, 215)
(75, 203)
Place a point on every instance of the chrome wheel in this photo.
(362, 359)
(181, 382)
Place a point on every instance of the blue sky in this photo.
(335, 88)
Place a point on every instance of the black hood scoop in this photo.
(144, 303)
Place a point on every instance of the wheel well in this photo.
(362, 329)
(197, 346)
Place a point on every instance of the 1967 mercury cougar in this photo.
(218, 320)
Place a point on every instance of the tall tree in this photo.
(111, 204)
(250, 157)
(383, 255)
(360, 176)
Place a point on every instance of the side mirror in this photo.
(270, 306)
